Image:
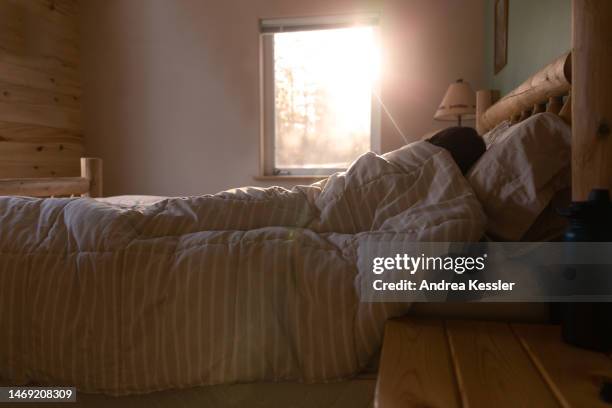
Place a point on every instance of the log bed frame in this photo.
(543, 91)
(88, 185)
(588, 68)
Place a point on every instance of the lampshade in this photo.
(459, 102)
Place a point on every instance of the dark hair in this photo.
(463, 143)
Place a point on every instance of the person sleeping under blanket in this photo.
(249, 284)
(463, 143)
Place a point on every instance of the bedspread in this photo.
(245, 285)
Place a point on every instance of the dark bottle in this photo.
(588, 324)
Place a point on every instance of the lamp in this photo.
(459, 102)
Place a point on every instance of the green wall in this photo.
(538, 31)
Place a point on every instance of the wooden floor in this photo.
(436, 363)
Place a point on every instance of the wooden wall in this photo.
(40, 89)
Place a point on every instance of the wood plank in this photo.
(592, 97)
(44, 187)
(39, 159)
(19, 19)
(48, 116)
(67, 8)
(47, 64)
(415, 367)
(574, 374)
(10, 93)
(32, 78)
(54, 11)
(40, 119)
(19, 132)
(26, 44)
(55, 168)
(493, 369)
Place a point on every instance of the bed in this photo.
(245, 285)
(540, 93)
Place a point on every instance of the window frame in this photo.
(269, 27)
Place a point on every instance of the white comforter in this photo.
(248, 284)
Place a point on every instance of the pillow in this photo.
(550, 225)
(520, 173)
(495, 135)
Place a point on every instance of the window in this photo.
(319, 79)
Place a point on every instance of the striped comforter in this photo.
(245, 285)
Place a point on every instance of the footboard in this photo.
(88, 185)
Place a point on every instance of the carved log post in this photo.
(539, 108)
(587, 324)
(524, 115)
(485, 98)
(592, 97)
(555, 104)
(91, 169)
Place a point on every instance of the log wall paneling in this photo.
(56, 159)
(23, 21)
(591, 97)
(40, 89)
(60, 187)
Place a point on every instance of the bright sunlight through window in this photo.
(323, 84)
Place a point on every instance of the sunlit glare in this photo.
(323, 95)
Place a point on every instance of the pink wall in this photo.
(171, 88)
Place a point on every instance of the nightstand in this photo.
(437, 363)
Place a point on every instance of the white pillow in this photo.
(496, 135)
(520, 173)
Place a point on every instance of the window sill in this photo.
(290, 178)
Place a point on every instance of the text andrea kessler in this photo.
(410, 264)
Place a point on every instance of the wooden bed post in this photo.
(485, 98)
(592, 97)
(587, 324)
(91, 169)
(555, 104)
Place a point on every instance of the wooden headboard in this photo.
(543, 91)
(588, 69)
